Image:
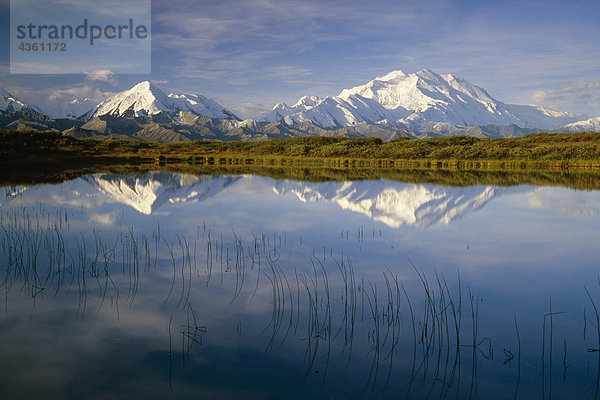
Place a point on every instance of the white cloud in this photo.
(62, 102)
(247, 41)
(266, 51)
(309, 82)
(575, 204)
(584, 94)
(103, 218)
(540, 96)
(248, 110)
(104, 75)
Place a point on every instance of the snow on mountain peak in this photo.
(281, 104)
(146, 99)
(144, 85)
(415, 99)
(398, 74)
(143, 99)
(307, 101)
(199, 104)
(592, 124)
(8, 102)
(63, 107)
(418, 91)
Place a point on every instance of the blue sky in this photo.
(265, 51)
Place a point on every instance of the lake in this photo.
(163, 285)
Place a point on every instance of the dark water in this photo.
(175, 286)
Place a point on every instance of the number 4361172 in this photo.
(50, 46)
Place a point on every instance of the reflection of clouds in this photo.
(60, 349)
(75, 193)
(103, 219)
(574, 203)
(48, 345)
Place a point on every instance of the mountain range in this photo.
(416, 100)
(420, 104)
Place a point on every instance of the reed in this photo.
(321, 303)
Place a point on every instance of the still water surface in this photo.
(177, 286)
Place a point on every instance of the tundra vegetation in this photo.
(541, 158)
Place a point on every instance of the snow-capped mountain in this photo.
(9, 103)
(145, 99)
(414, 100)
(333, 111)
(60, 106)
(420, 104)
(592, 124)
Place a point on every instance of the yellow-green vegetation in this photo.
(575, 150)
(34, 157)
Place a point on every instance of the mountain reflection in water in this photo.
(168, 286)
(392, 203)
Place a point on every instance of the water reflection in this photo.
(396, 204)
(166, 285)
(392, 203)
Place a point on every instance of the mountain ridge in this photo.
(10, 103)
(416, 105)
(415, 99)
(592, 124)
(146, 99)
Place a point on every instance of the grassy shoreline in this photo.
(34, 157)
(542, 149)
(536, 151)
